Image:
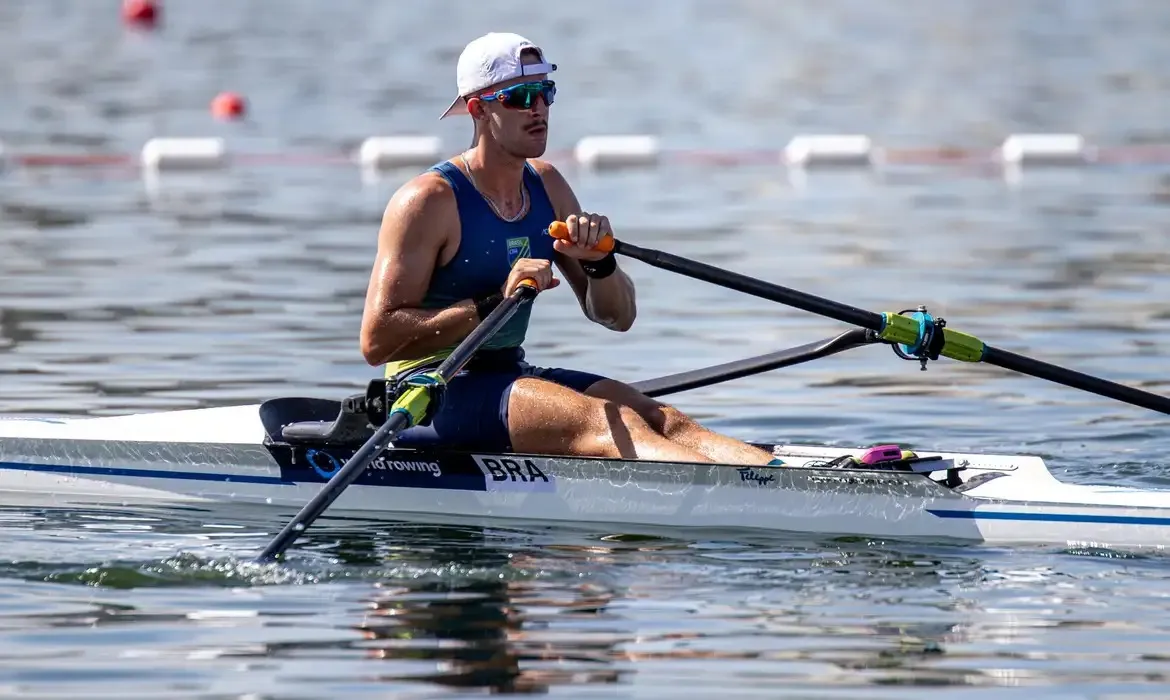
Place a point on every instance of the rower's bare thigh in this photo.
(544, 416)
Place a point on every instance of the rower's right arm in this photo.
(419, 225)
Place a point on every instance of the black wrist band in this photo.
(484, 305)
(599, 269)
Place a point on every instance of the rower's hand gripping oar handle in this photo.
(560, 231)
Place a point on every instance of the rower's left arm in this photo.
(609, 301)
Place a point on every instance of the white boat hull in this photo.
(226, 455)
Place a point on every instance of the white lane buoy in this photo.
(184, 153)
(811, 150)
(617, 151)
(385, 152)
(1045, 149)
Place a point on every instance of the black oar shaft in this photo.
(971, 349)
(395, 423)
(696, 378)
(333, 488)
(749, 285)
(1077, 380)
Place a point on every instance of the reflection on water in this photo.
(396, 605)
(494, 635)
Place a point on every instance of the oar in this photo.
(924, 337)
(693, 379)
(409, 409)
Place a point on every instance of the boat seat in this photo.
(348, 428)
(350, 422)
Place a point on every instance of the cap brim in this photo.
(458, 105)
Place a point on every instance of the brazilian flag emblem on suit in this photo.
(518, 247)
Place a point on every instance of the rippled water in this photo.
(430, 610)
(236, 286)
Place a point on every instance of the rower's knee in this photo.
(673, 421)
(606, 429)
(667, 421)
(661, 418)
(615, 429)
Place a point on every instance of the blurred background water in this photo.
(247, 283)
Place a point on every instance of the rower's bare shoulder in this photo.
(558, 188)
(427, 197)
(548, 172)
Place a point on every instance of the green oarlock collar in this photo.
(964, 347)
(419, 397)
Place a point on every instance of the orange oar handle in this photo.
(559, 229)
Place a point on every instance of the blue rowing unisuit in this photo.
(488, 248)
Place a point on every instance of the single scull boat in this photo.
(340, 454)
(281, 452)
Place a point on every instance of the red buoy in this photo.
(142, 13)
(228, 105)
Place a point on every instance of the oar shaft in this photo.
(749, 285)
(892, 327)
(874, 321)
(413, 400)
(334, 487)
(1077, 380)
(696, 378)
(471, 344)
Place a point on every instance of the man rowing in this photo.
(458, 238)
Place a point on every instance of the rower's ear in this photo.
(475, 108)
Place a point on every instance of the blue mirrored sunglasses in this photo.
(523, 96)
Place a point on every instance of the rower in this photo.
(458, 238)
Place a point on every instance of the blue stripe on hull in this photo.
(144, 473)
(1051, 517)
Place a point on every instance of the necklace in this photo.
(523, 195)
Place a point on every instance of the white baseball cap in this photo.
(490, 59)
